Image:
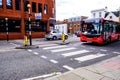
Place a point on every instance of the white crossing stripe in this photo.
(65, 49)
(68, 67)
(116, 52)
(36, 53)
(54, 47)
(54, 61)
(75, 53)
(29, 50)
(89, 57)
(44, 57)
(46, 45)
(92, 48)
(103, 50)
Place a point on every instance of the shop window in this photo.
(13, 25)
(17, 4)
(25, 5)
(40, 8)
(9, 4)
(1, 3)
(36, 26)
(45, 9)
(33, 7)
(2, 25)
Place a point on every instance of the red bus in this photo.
(99, 30)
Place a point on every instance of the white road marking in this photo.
(92, 48)
(54, 61)
(75, 53)
(89, 57)
(68, 67)
(65, 49)
(103, 50)
(29, 50)
(116, 52)
(46, 45)
(44, 57)
(43, 76)
(54, 47)
(14, 44)
(36, 53)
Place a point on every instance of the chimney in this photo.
(106, 8)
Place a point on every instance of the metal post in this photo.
(6, 19)
(29, 24)
(119, 14)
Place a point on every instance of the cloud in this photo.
(69, 8)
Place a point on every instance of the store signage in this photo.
(38, 16)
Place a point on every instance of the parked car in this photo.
(54, 35)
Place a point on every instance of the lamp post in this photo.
(6, 19)
(30, 37)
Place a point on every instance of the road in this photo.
(17, 64)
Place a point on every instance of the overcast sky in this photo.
(71, 8)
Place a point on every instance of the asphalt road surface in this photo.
(17, 64)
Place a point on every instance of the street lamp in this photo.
(6, 19)
(29, 6)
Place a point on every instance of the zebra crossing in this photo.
(70, 57)
(67, 51)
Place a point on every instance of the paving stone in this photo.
(87, 74)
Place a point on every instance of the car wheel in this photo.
(54, 38)
(48, 38)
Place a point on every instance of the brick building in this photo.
(42, 15)
(73, 23)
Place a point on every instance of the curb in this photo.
(27, 47)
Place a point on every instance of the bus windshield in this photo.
(91, 28)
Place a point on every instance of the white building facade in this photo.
(99, 13)
(114, 16)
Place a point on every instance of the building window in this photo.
(1, 3)
(110, 17)
(40, 8)
(17, 4)
(100, 14)
(53, 11)
(9, 4)
(94, 15)
(13, 25)
(2, 25)
(33, 7)
(45, 9)
(36, 26)
(25, 5)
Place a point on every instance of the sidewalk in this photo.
(106, 70)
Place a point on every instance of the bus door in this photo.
(106, 31)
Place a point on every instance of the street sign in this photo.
(38, 16)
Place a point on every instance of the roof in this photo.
(116, 13)
(98, 10)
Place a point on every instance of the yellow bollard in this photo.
(63, 37)
(25, 41)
